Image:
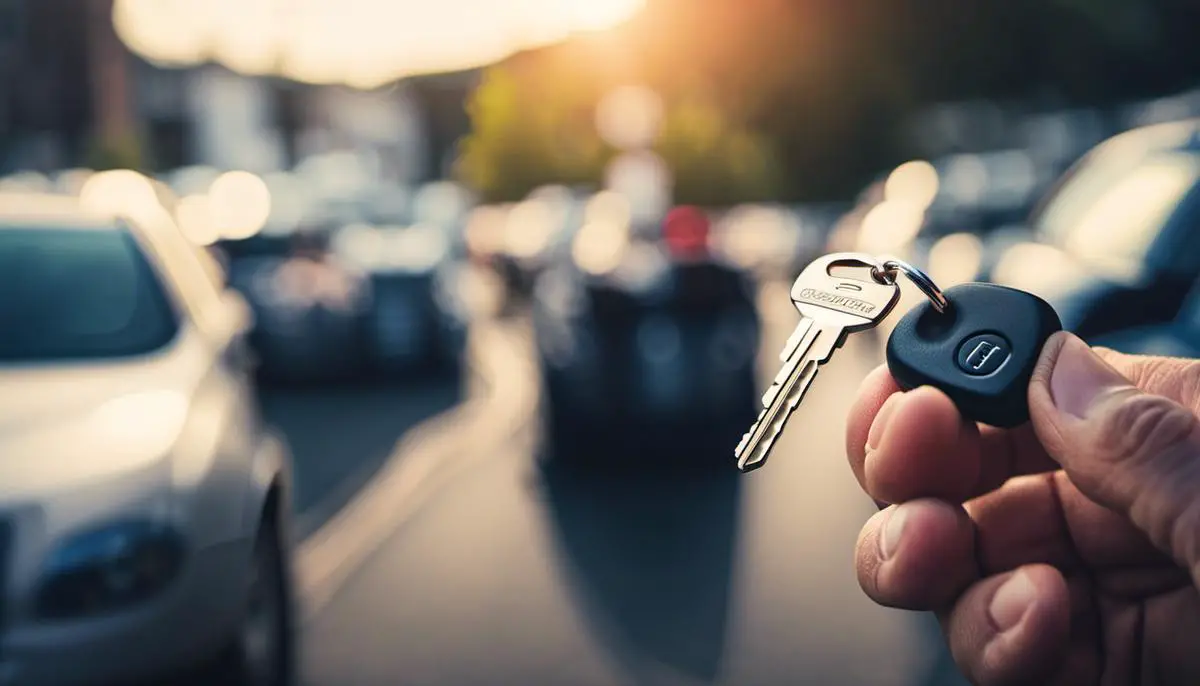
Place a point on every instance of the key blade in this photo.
(757, 443)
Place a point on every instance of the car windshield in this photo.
(70, 294)
(1109, 214)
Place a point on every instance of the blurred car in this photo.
(415, 319)
(534, 236)
(1180, 338)
(308, 306)
(646, 350)
(1118, 239)
(146, 508)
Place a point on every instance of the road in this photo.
(341, 437)
(465, 561)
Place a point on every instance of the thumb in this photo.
(1124, 447)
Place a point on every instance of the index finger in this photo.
(922, 447)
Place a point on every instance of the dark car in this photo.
(1180, 338)
(414, 320)
(308, 307)
(1118, 239)
(651, 358)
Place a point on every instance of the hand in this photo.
(1066, 551)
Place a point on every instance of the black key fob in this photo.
(981, 351)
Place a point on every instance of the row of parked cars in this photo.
(1115, 244)
(354, 303)
(650, 349)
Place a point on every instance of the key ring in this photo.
(886, 272)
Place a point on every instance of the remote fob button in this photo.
(980, 352)
(983, 354)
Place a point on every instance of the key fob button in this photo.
(981, 352)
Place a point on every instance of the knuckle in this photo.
(1141, 429)
(866, 559)
(1153, 453)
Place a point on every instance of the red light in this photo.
(685, 231)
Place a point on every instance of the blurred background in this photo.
(392, 342)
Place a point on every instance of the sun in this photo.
(597, 15)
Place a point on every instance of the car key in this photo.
(831, 307)
(980, 351)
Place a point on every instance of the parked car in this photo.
(1180, 338)
(1118, 239)
(308, 307)
(651, 354)
(414, 321)
(145, 507)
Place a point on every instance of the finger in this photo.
(920, 447)
(1044, 519)
(1012, 628)
(876, 389)
(950, 458)
(1173, 377)
(917, 556)
(1135, 452)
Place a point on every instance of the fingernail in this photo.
(1011, 601)
(1080, 377)
(875, 435)
(892, 531)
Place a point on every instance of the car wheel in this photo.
(262, 650)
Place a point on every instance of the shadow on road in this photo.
(649, 555)
(341, 436)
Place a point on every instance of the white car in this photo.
(144, 507)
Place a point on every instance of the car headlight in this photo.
(108, 569)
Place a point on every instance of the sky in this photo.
(363, 43)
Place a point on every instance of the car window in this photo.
(1110, 213)
(78, 294)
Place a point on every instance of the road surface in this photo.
(468, 563)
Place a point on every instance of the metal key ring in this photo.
(886, 272)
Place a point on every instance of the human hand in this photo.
(1066, 551)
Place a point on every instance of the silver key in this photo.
(831, 307)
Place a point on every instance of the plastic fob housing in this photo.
(980, 352)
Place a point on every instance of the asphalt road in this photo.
(340, 437)
(466, 563)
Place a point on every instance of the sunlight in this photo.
(597, 15)
(361, 43)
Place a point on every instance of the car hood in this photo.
(69, 426)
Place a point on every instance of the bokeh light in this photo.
(608, 207)
(119, 192)
(599, 246)
(890, 227)
(194, 216)
(955, 259)
(484, 232)
(240, 204)
(361, 43)
(529, 229)
(629, 117)
(913, 182)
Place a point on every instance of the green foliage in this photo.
(714, 160)
(519, 141)
(807, 100)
